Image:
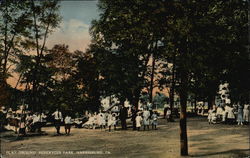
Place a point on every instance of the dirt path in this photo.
(204, 141)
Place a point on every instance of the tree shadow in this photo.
(238, 152)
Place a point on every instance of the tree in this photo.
(127, 33)
(44, 17)
(14, 24)
(195, 34)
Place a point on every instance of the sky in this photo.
(74, 28)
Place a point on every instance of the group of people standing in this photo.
(140, 118)
(145, 118)
(102, 120)
(25, 121)
(229, 114)
(22, 121)
(58, 119)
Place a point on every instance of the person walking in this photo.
(57, 120)
(67, 124)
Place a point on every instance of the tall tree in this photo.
(14, 22)
(45, 18)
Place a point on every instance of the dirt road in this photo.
(204, 141)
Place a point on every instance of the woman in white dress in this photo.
(146, 118)
(246, 113)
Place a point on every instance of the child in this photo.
(209, 117)
(223, 115)
(168, 114)
(138, 120)
(230, 115)
(67, 122)
(110, 121)
(154, 120)
(95, 121)
(214, 117)
(22, 126)
(102, 120)
(114, 115)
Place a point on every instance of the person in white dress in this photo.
(95, 122)
(146, 118)
(246, 113)
(214, 117)
(90, 123)
(227, 107)
(168, 114)
(209, 117)
(231, 116)
(110, 120)
(223, 115)
(67, 122)
(35, 122)
(154, 120)
(102, 120)
(114, 118)
(138, 121)
(219, 113)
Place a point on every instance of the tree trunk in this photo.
(152, 79)
(172, 90)
(195, 104)
(183, 121)
(183, 71)
(152, 74)
(211, 101)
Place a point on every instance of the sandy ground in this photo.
(204, 140)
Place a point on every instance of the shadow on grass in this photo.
(11, 137)
(244, 153)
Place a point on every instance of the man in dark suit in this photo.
(123, 117)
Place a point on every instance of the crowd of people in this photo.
(229, 114)
(139, 118)
(25, 121)
(22, 121)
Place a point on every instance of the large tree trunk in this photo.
(183, 71)
(183, 121)
(211, 101)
